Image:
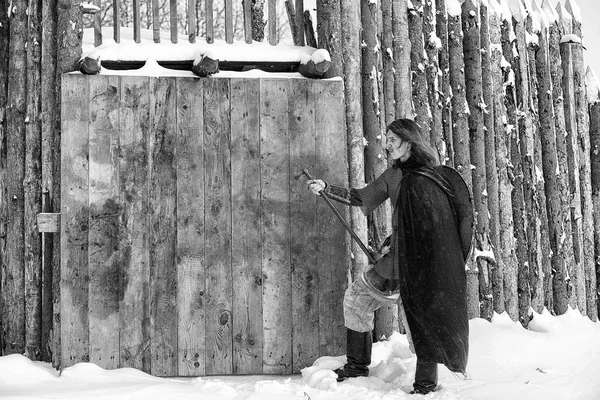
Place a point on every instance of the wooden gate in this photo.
(189, 247)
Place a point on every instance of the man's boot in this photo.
(426, 377)
(358, 349)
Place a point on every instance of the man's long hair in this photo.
(421, 151)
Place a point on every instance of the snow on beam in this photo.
(593, 91)
(517, 9)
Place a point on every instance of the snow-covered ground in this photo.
(557, 358)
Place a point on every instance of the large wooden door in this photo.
(189, 246)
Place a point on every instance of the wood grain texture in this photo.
(246, 239)
(217, 241)
(162, 227)
(74, 224)
(303, 226)
(104, 218)
(190, 228)
(275, 197)
(332, 250)
(133, 181)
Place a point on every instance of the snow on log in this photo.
(205, 66)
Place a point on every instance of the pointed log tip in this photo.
(539, 18)
(550, 12)
(592, 86)
(574, 9)
(517, 9)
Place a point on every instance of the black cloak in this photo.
(434, 233)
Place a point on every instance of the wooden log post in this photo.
(32, 187)
(491, 170)
(432, 47)
(586, 285)
(505, 254)
(558, 301)
(13, 278)
(576, 267)
(4, 47)
(511, 270)
(387, 58)
(375, 155)
(460, 129)
(401, 50)
(350, 53)
(418, 65)
(540, 224)
(474, 93)
(445, 95)
(593, 93)
(549, 158)
(329, 34)
(523, 156)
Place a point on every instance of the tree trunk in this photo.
(586, 283)
(402, 81)
(594, 107)
(32, 187)
(4, 201)
(445, 95)
(432, 47)
(329, 34)
(418, 65)
(505, 246)
(13, 280)
(50, 129)
(514, 174)
(576, 267)
(460, 138)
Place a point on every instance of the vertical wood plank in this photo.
(272, 22)
(97, 25)
(248, 21)
(133, 181)
(190, 228)
(303, 222)
(229, 21)
(74, 221)
(217, 170)
(275, 196)
(246, 241)
(117, 20)
(162, 228)
(210, 32)
(136, 21)
(173, 20)
(104, 216)
(155, 21)
(300, 21)
(191, 15)
(331, 164)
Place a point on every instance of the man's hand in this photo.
(316, 186)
